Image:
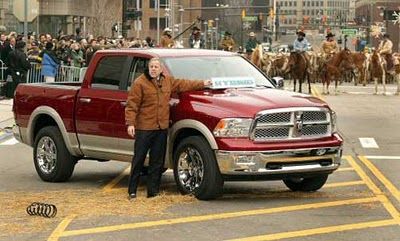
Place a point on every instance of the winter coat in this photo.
(49, 65)
(148, 102)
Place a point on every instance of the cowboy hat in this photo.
(330, 35)
(195, 28)
(227, 33)
(167, 29)
(301, 33)
(252, 34)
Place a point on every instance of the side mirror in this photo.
(278, 81)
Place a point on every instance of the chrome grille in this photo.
(273, 133)
(283, 117)
(291, 124)
(314, 130)
(309, 116)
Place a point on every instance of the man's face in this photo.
(12, 41)
(154, 68)
(3, 37)
(42, 38)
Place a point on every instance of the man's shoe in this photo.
(151, 195)
(132, 196)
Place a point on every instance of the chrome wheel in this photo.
(190, 169)
(46, 154)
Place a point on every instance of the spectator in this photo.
(50, 63)
(196, 40)
(76, 56)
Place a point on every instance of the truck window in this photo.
(138, 68)
(109, 72)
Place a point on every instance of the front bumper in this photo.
(279, 163)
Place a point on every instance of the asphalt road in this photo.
(359, 202)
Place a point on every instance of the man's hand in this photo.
(207, 83)
(131, 131)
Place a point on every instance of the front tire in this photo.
(309, 184)
(52, 160)
(196, 170)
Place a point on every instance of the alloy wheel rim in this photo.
(190, 169)
(46, 154)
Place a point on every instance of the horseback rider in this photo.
(300, 44)
(385, 50)
(329, 47)
(166, 39)
(227, 43)
(251, 44)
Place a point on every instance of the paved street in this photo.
(361, 201)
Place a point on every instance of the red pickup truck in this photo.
(231, 133)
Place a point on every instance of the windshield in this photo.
(202, 67)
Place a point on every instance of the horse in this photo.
(332, 69)
(298, 65)
(378, 69)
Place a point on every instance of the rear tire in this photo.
(52, 160)
(196, 170)
(309, 184)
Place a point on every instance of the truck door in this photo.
(126, 142)
(99, 105)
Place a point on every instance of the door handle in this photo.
(123, 103)
(85, 100)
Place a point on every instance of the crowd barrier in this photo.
(64, 73)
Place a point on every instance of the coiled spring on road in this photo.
(42, 209)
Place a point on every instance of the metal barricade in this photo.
(64, 73)
(3, 69)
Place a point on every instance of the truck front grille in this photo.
(291, 124)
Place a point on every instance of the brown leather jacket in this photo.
(147, 105)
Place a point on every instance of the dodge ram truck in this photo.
(227, 133)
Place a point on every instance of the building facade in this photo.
(373, 16)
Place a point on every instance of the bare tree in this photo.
(106, 14)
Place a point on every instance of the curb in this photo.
(5, 135)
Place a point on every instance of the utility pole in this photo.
(26, 20)
(138, 19)
(158, 22)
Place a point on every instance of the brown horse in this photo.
(298, 65)
(332, 69)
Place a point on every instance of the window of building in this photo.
(109, 72)
(153, 23)
(153, 3)
(295, 4)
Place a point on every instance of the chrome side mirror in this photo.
(278, 82)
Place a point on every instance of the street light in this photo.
(181, 10)
(384, 17)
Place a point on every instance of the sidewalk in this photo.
(6, 118)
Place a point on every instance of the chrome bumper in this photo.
(279, 162)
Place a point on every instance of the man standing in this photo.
(147, 118)
(251, 44)
(18, 67)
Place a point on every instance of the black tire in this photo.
(308, 184)
(211, 185)
(64, 163)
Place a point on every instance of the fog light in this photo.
(320, 152)
(244, 160)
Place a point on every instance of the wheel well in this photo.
(41, 122)
(182, 134)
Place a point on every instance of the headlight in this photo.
(333, 122)
(233, 127)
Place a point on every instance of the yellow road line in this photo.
(380, 195)
(115, 181)
(316, 93)
(323, 230)
(55, 235)
(345, 169)
(392, 189)
(344, 184)
(220, 216)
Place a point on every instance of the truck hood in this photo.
(247, 102)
